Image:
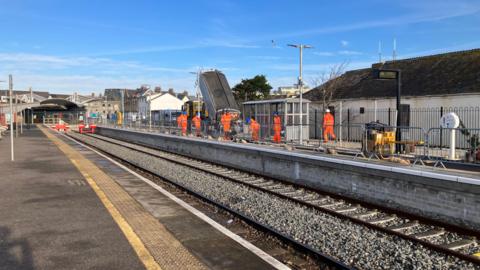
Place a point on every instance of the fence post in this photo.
(341, 112)
(441, 130)
(348, 124)
(389, 123)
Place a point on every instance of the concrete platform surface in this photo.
(63, 206)
(49, 216)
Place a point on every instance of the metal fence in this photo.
(412, 117)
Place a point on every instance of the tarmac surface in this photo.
(60, 206)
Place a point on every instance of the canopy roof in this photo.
(58, 104)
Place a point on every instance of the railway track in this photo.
(445, 239)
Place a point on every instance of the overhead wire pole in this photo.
(197, 88)
(10, 87)
(300, 83)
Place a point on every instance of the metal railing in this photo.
(415, 143)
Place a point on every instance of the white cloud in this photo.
(344, 43)
(52, 73)
(324, 53)
(348, 52)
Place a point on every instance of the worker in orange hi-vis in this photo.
(255, 127)
(226, 123)
(197, 122)
(179, 120)
(328, 122)
(277, 128)
(184, 123)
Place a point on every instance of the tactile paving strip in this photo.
(167, 251)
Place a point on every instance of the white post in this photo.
(16, 116)
(10, 86)
(375, 110)
(452, 155)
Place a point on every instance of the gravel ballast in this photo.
(354, 244)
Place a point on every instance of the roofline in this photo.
(278, 100)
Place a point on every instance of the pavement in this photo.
(49, 216)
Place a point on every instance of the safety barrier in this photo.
(466, 144)
(415, 143)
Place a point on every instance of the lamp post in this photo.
(300, 83)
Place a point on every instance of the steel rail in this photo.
(265, 228)
(411, 238)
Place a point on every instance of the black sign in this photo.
(389, 75)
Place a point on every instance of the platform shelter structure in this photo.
(289, 111)
(50, 111)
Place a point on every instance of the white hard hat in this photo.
(327, 110)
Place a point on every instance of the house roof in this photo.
(441, 74)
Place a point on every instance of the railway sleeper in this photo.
(366, 214)
(346, 209)
(429, 234)
(331, 204)
(459, 244)
(404, 226)
(382, 220)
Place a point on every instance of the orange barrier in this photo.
(83, 129)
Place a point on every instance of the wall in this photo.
(445, 197)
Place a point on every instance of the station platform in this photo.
(64, 206)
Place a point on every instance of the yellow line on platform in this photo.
(142, 252)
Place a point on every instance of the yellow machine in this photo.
(381, 142)
(192, 107)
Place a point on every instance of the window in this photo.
(362, 110)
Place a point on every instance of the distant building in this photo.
(100, 107)
(23, 96)
(158, 104)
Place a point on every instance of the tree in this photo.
(327, 83)
(252, 89)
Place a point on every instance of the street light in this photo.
(300, 83)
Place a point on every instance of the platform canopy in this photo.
(58, 104)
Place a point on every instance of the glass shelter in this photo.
(289, 111)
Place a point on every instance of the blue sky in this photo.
(86, 46)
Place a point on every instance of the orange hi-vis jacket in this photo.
(277, 124)
(328, 120)
(255, 126)
(179, 120)
(226, 121)
(197, 122)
